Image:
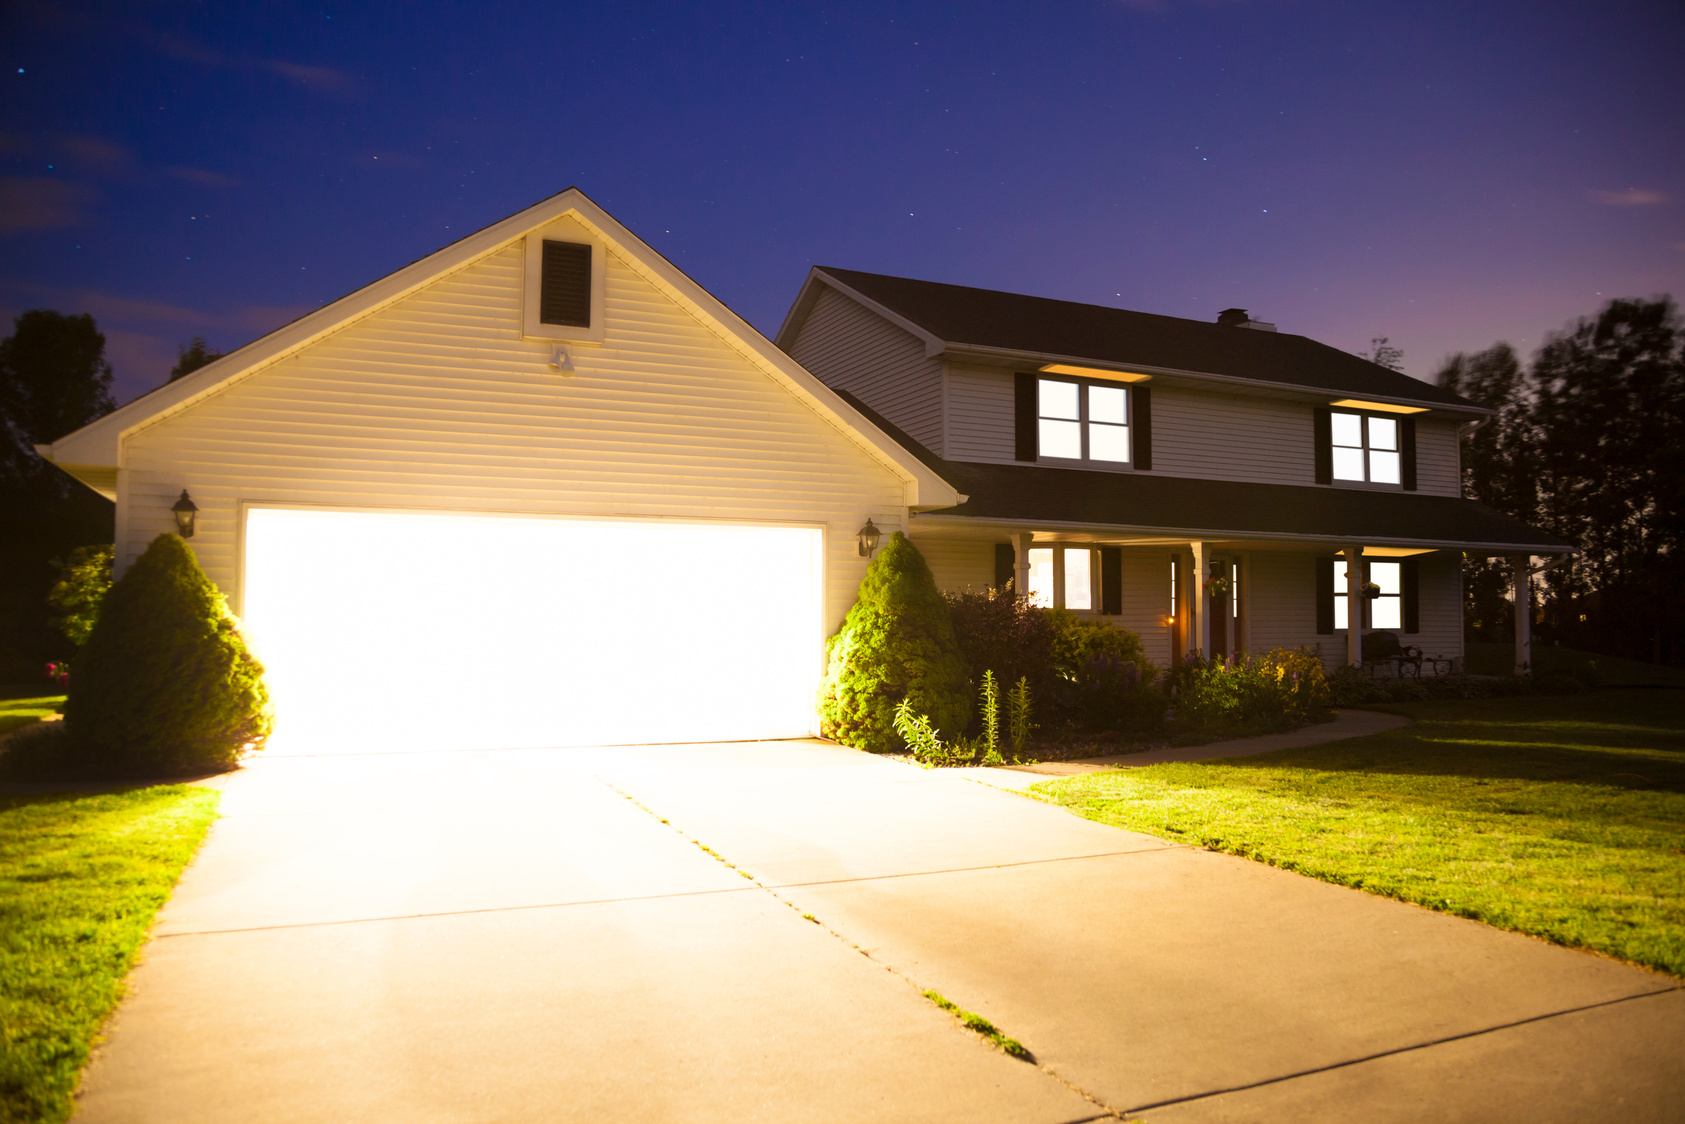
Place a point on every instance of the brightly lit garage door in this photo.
(391, 631)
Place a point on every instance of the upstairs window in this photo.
(1082, 421)
(1365, 448)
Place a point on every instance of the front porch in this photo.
(1221, 597)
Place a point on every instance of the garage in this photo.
(393, 631)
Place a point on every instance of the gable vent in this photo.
(565, 289)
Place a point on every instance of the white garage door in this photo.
(394, 631)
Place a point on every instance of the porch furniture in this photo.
(1383, 649)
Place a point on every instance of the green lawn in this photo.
(1499, 659)
(28, 708)
(1560, 816)
(81, 877)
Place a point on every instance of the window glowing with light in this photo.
(401, 631)
(1365, 448)
(1041, 577)
(1385, 611)
(1082, 421)
(1078, 594)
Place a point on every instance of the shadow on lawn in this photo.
(1622, 739)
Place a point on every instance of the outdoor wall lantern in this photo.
(869, 536)
(185, 510)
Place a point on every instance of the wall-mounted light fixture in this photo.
(561, 360)
(869, 535)
(185, 510)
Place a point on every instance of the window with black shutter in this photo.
(1111, 580)
(1325, 596)
(1412, 582)
(1141, 405)
(565, 284)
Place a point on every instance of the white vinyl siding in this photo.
(854, 349)
(980, 414)
(1283, 609)
(438, 403)
(959, 565)
(1204, 435)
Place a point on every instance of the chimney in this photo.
(1240, 318)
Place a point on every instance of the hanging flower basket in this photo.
(1371, 590)
(1216, 586)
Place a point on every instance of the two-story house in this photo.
(1207, 485)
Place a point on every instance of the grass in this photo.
(81, 878)
(977, 1024)
(28, 708)
(1560, 816)
(1612, 671)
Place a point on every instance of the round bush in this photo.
(896, 642)
(165, 683)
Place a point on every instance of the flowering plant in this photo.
(1371, 590)
(59, 674)
(1218, 584)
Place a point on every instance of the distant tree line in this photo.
(1586, 443)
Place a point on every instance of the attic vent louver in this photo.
(565, 292)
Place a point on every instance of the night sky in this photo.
(1444, 174)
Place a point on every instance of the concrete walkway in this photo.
(1346, 724)
(539, 935)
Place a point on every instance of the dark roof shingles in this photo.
(958, 314)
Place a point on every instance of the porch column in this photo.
(1355, 604)
(1021, 564)
(1199, 604)
(1521, 586)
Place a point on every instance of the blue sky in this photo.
(1443, 174)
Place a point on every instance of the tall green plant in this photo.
(84, 578)
(165, 683)
(1020, 725)
(896, 644)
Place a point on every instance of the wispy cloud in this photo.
(1631, 197)
(42, 203)
(92, 153)
(321, 79)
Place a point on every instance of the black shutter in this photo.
(1322, 432)
(1410, 574)
(1141, 401)
(565, 287)
(1325, 597)
(1407, 449)
(1024, 416)
(1111, 580)
(1004, 564)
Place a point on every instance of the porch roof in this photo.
(1166, 506)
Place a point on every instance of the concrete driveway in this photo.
(540, 935)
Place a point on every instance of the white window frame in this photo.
(1364, 418)
(1084, 423)
(564, 229)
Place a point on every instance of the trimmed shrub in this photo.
(165, 683)
(896, 643)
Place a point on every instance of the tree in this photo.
(1382, 354)
(896, 642)
(191, 356)
(165, 683)
(1585, 443)
(1610, 417)
(1500, 469)
(84, 578)
(53, 379)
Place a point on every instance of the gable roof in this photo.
(958, 317)
(93, 453)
